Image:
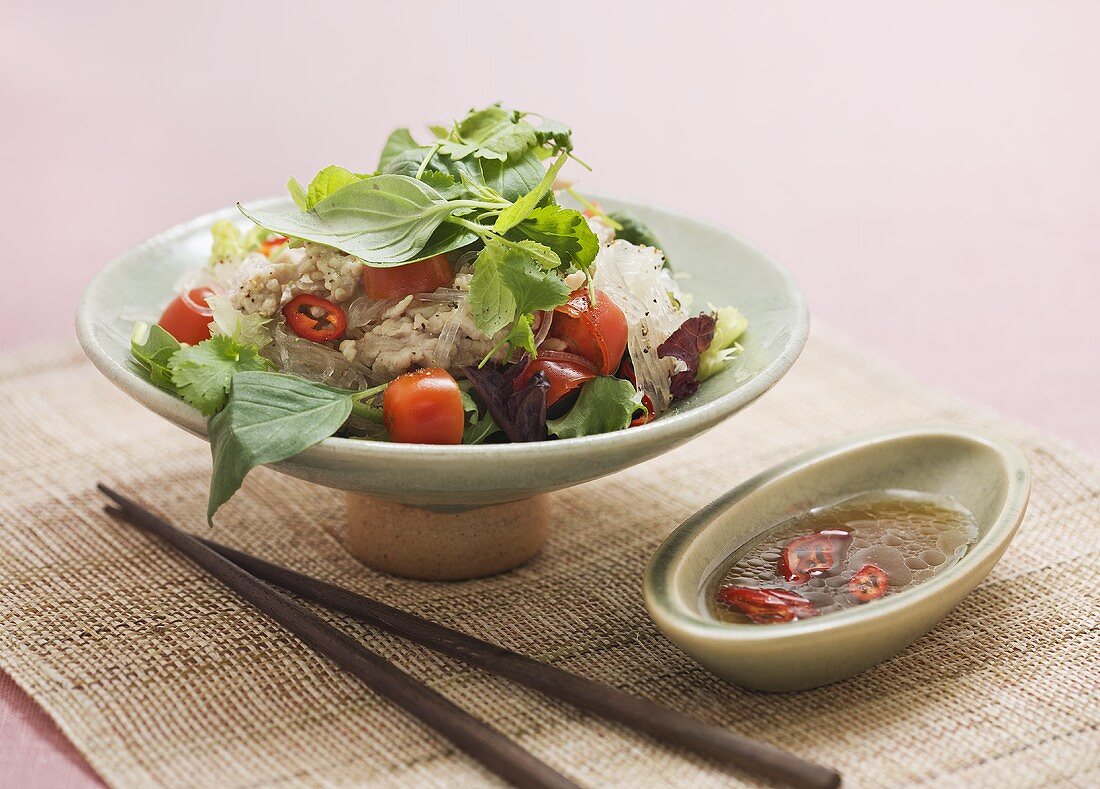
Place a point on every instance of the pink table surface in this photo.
(929, 172)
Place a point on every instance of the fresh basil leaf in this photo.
(564, 230)
(384, 219)
(522, 208)
(491, 133)
(399, 141)
(152, 347)
(636, 231)
(510, 179)
(490, 300)
(269, 417)
(202, 373)
(605, 404)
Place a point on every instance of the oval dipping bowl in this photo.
(717, 267)
(981, 471)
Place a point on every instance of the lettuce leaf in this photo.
(230, 243)
(152, 347)
(231, 322)
(731, 324)
(687, 344)
(605, 404)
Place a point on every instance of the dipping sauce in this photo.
(849, 553)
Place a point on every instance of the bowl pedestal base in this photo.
(445, 543)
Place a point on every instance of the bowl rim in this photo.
(667, 609)
(671, 426)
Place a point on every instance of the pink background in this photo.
(929, 172)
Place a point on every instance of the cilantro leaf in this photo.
(532, 287)
(605, 404)
(555, 134)
(491, 133)
(202, 372)
(152, 347)
(564, 230)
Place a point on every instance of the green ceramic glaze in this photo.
(720, 268)
(980, 470)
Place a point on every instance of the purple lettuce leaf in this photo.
(521, 413)
(687, 343)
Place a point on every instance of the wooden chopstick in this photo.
(483, 743)
(665, 725)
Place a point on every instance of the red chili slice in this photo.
(766, 606)
(302, 317)
(869, 583)
(821, 553)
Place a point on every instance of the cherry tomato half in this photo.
(314, 318)
(595, 330)
(397, 282)
(766, 606)
(564, 371)
(187, 318)
(820, 553)
(424, 407)
(868, 583)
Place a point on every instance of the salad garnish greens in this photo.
(444, 297)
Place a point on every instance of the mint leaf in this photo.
(201, 373)
(522, 208)
(563, 230)
(605, 404)
(399, 141)
(380, 219)
(491, 133)
(269, 417)
(152, 347)
(327, 182)
(490, 300)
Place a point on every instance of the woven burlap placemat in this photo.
(160, 676)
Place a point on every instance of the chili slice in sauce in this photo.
(315, 319)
